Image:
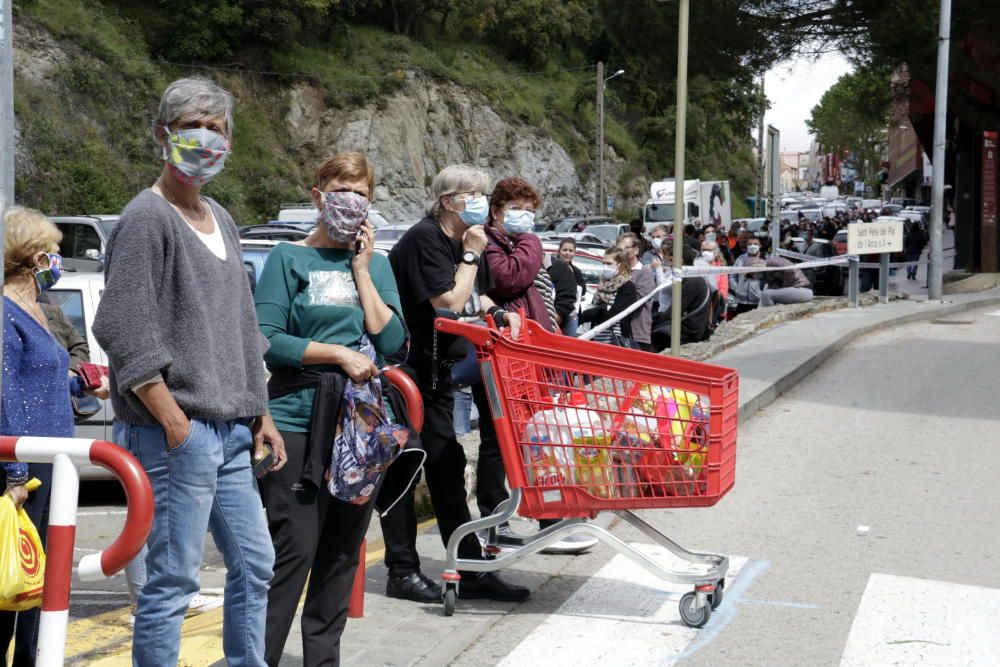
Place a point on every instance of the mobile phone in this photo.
(262, 465)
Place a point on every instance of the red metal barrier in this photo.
(66, 456)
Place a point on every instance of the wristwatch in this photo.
(469, 257)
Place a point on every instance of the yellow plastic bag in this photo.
(22, 559)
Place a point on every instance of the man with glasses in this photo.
(642, 277)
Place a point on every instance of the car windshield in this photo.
(606, 233)
(659, 212)
(390, 233)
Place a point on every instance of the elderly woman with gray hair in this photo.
(187, 381)
(438, 265)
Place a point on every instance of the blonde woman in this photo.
(615, 293)
(36, 384)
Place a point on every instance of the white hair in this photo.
(454, 179)
(195, 97)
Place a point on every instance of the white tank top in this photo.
(213, 241)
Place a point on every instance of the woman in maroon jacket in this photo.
(514, 255)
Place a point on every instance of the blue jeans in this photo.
(570, 327)
(463, 411)
(205, 483)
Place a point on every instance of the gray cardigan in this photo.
(173, 308)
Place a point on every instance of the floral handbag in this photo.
(366, 443)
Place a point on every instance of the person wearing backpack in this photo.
(330, 310)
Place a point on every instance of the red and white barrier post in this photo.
(66, 456)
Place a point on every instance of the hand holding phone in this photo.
(262, 465)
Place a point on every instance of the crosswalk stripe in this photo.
(623, 615)
(907, 621)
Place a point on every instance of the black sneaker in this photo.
(415, 587)
(489, 586)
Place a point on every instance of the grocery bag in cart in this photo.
(585, 428)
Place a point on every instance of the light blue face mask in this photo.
(476, 210)
(518, 222)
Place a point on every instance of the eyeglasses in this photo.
(471, 195)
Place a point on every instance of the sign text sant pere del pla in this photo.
(867, 238)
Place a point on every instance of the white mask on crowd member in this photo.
(753, 249)
(708, 255)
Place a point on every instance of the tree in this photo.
(852, 116)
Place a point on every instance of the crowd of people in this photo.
(209, 379)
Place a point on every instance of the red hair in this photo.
(348, 167)
(510, 189)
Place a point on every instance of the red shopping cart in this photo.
(586, 428)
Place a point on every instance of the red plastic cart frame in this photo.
(66, 456)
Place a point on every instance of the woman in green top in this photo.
(314, 303)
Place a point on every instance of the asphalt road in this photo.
(900, 433)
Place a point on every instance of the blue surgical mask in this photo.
(657, 242)
(518, 222)
(710, 237)
(476, 210)
(196, 155)
(46, 278)
(609, 272)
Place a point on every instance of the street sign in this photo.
(867, 238)
(611, 203)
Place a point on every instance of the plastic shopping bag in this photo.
(22, 559)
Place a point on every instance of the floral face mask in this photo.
(342, 214)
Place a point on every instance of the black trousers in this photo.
(311, 530)
(22, 626)
(491, 478)
(445, 471)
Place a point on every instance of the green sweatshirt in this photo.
(308, 294)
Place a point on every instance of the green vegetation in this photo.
(88, 127)
(852, 116)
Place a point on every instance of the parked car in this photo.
(608, 233)
(84, 241)
(276, 232)
(840, 242)
(584, 240)
(578, 223)
(255, 252)
(391, 233)
(812, 214)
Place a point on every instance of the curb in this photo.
(803, 370)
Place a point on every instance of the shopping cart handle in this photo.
(479, 335)
(411, 394)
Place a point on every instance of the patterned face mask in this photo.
(197, 155)
(342, 214)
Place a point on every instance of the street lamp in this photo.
(601, 82)
(680, 208)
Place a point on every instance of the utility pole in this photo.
(6, 125)
(935, 271)
(757, 211)
(680, 207)
(599, 209)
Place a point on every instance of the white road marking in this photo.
(102, 513)
(995, 313)
(623, 615)
(906, 621)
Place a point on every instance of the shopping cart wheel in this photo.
(691, 615)
(450, 595)
(717, 595)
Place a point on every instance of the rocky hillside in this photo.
(86, 98)
(427, 124)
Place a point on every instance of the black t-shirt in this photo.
(424, 262)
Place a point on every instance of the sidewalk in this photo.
(399, 633)
(396, 633)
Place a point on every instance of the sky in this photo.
(793, 89)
